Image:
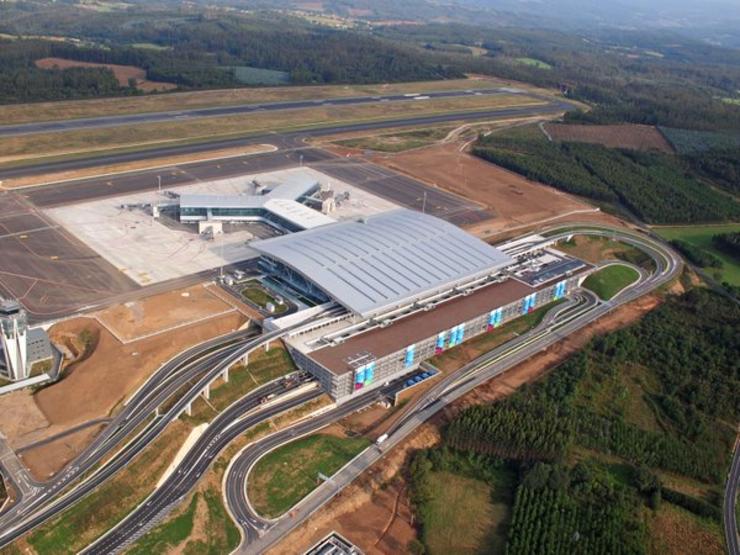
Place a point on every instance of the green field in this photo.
(609, 281)
(259, 296)
(701, 237)
(289, 473)
(398, 142)
(448, 525)
(533, 62)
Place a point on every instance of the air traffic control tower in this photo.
(14, 326)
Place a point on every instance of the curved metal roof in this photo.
(386, 260)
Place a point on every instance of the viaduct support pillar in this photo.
(225, 375)
(267, 346)
(189, 409)
(207, 392)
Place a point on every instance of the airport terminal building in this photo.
(411, 285)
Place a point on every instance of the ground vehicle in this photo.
(381, 439)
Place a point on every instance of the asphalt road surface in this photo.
(282, 140)
(221, 111)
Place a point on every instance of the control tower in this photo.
(14, 327)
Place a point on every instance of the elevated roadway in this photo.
(193, 371)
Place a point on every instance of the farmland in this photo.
(124, 74)
(630, 136)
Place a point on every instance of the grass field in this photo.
(398, 142)
(49, 111)
(286, 475)
(169, 534)
(261, 297)
(139, 137)
(609, 281)
(462, 518)
(701, 238)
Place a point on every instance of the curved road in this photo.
(259, 534)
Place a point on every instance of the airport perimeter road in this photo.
(728, 509)
(568, 321)
(239, 109)
(281, 140)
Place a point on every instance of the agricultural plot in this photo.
(630, 136)
(124, 74)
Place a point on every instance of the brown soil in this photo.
(151, 315)
(96, 384)
(48, 459)
(675, 531)
(373, 512)
(516, 202)
(632, 136)
(122, 73)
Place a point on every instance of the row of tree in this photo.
(652, 186)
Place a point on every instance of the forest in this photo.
(652, 78)
(656, 188)
(193, 51)
(652, 400)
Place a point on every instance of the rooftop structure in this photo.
(280, 205)
(386, 261)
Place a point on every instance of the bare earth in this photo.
(632, 136)
(137, 319)
(95, 386)
(516, 202)
(122, 73)
(358, 511)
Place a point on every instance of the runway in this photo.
(238, 109)
(281, 140)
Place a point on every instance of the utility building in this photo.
(411, 285)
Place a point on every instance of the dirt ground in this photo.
(94, 386)
(515, 201)
(151, 315)
(46, 460)
(373, 512)
(122, 73)
(632, 136)
(360, 511)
